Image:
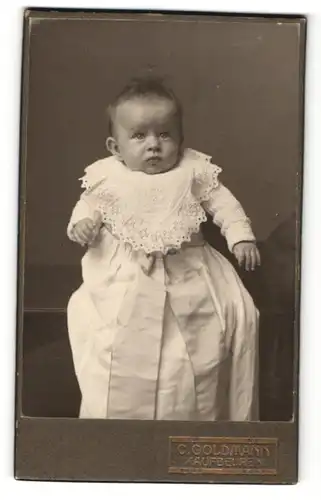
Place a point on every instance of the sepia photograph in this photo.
(160, 238)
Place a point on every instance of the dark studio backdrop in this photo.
(239, 86)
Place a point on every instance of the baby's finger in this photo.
(84, 235)
(248, 260)
(88, 226)
(258, 257)
(253, 259)
(239, 258)
(87, 233)
(97, 220)
(79, 232)
(242, 259)
(77, 237)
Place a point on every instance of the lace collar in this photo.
(152, 212)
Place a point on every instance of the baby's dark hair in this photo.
(144, 87)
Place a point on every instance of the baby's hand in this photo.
(247, 254)
(86, 230)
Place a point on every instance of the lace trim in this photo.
(140, 236)
(206, 182)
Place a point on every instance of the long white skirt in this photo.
(180, 344)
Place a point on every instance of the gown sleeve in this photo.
(86, 206)
(221, 204)
(81, 210)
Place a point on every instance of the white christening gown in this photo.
(179, 343)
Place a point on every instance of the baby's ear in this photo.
(112, 146)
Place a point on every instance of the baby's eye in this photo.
(164, 135)
(138, 135)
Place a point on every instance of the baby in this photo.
(161, 327)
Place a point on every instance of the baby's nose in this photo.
(153, 142)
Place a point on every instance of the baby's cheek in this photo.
(138, 150)
(134, 154)
(171, 150)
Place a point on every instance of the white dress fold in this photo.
(179, 343)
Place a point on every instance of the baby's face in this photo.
(147, 134)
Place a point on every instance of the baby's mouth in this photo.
(154, 159)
